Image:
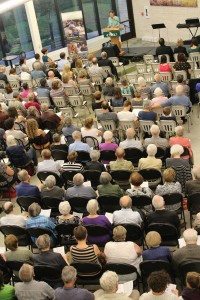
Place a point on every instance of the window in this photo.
(68, 6)
(90, 18)
(104, 6)
(15, 33)
(123, 15)
(48, 23)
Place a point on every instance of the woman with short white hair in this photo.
(106, 188)
(181, 140)
(66, 217)
(95, 219)
(159, 96)
(144, 89)
(107, 145)
(79, 190)
(180, 165)
(49, 189)
(108, 90)
(95, 164)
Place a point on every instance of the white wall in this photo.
(170, 16)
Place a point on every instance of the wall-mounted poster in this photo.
(75, 33)
(179, 3)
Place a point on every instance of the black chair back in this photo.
(78, 204)
(140, 201)
(134, 155)
(153, 176)
(120, 269)
(52, 126)
(67, 177)
(96, 231)
(193, 204)
(91, 141)
(134, 233)
(37, 231)
(108, 203)
(59, 154)
(43, 175)
(87, 269)
(50, 275)
(186, 267)
(83, 157)
(93, 176)
(25, 202)
(169, 233)
(107, 155)
(20, 232)
(52, 203)
(69, 139)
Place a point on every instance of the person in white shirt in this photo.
(95, 70)
(25, 75)
(49, 164)
(126, 114)
(62, 62)
(130, 141)
(11, 218)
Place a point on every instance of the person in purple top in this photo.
(94, 219)
(69, 291)
(108, 145)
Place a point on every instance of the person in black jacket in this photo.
(163, 49)
(179, 48)
(2, 75)
(105, 61)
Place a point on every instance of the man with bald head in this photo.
(126, 215)
(95, 70)
(11, 218)
(130, 141)
(164, 86)
(121, 163)
(162, 215)
(51, 76)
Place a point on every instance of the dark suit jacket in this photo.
(107, 62)
(189, 253)
(164, 216)
(192, 186)
(50, 259)
(181, 49)
(3, 77)
(165, 50)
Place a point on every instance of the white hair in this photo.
(78, 179)
(103, 54)
(105, 178)
(155, 130)
(109, 81)
(76, 135)
(50, 181)
(158, 92)
(94, 155)
(64, 208)
(176, 150)
(196, 172)
(179, 130)
(130, 133)
(69, 274)
(141, 81)
(107, 135)
(179, 90)
(92, 206)
(151, 150)
(190, 235)
(158, 202)
(108, 281)
(10, 141)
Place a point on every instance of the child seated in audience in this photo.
(167, 115)
(126, 88)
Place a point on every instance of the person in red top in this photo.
(26, 91)
(164, 65)
(32, 102)
(180, 140)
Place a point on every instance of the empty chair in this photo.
(108, 125)
(44, 100)
(132, 78)
(195, 57)
(148, 59)
(179, 111)
(117, 63)
(71, 90)
(77, 102)
(196, 73)
(168, 127)
(149, 77)
(14, 85)
(155, 67)
(141, 68)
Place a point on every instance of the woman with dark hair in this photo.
(45, 57)
(182, 64)
(22, 62)
(164, 65)
(118, 99)
(7, 291)
(192, 289)
(26, 91)
(194, 47)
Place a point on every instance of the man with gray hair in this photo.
(69, 291)
(162, 215)
(193, 186)
(156, 139)
(109, 285)
(78, 145)
(49, 116)
(37, 72)
(164, 86)
(126, 215)
(95, 164)
(130, 141)
(151, 162)
(188, 253)
(25, 74)
(10, 218)
(79, 190)
(30, 288)
(105, 61)
(95, 70)
(146, 114)
(25, 189)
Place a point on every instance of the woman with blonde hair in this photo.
(33, 132)
(57, 90)
(90, 130)
(68, 82)
(83, 79)
(67, 71)
(180, 48)
(155, 251)
(192, 289)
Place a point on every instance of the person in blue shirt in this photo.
(113, 21)
(78, 145)
(146, 114)
(25, 188)
(62, 62)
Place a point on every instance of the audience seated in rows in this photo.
(120, 163)
(126, 88)
(38, 59)
(142, 87)
(17, 134)
(151, 162)
(95, 70)
(49, 116)
(164, 65)
(108, 145)
(181, 82)
(37, 72)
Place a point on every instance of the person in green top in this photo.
(7, 292)
(194, 47)
(113, 21)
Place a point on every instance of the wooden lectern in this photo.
(114, 34)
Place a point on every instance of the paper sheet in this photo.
(87, 183)
(80, 215)
(125, 288)
(45, 212)
(182, 242)
(171, 287)
(46, 131)
(59, 114)
(109, 216)
(60, 250)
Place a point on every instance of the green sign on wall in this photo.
(111, 33)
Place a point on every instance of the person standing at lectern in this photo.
(113, 21)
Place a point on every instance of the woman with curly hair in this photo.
(37, 136)
(67, 71)
(32, 113)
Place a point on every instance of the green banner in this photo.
(111, 33)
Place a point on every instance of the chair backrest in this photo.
(107, 69)
(65, 229)
(148, 58)
(93, 176)
(29, 82)
(173, 198)
(75, 101)
(67, 111)
(167, 55)
(37, 231)
(44, 174)
(86, 269)
(50, 275)
(85, 90)
(194, 56)
(59, 101)
(184, 268)
(178, 110)
(158, 111)
(155, 67)
(108, 125)
(149, 266)
(115, 61)
(2, 86)
(124, 125)
(120, 175)
(145, 126)
(141, 68)
(69, 139)
(108, 203)
(120, 269)
(78, 204)
(107, 155)
(91, 141)
(59, 154)
(14, 84)
(182, 72)
(132, 78)
(134, 233)
(176, 56)
(98, 80)
(51, 203)
(149, 77)
(98, 112)
(117, 109)
(71, 90)
(168, 232)
(134, 155)
(196, 73)
(194, 203)
(26, 201)
(166, 76)
(20, 232)
(168, 126)
(141, 200)
(44, 100)
(37, 81)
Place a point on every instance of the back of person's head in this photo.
(11, 242)
(190, 236)
(108, 135)
(105, 105)
(78, 179)
(127, 103)
(166, 111)
(120, 152)
(80, 233)
(158, 281)
(103, 54)
(94, 61)
(158, 202)
(51, 74)
(95, 155)
(7, 207)
(147, 104)
(88, 122)
(64, 208)
(153, 239)
(124, 81)
(119, 233)
(34, 209)
(25, 86)
(157, 77)
(9, 123)
(105, 178)
(44, 50)
(56, 138)
(151, 150)
(37, 66)
(92, 206)
(16, 95)
(37, 55)
(161, 41)
(69, 274)
(130, 133)
(179, 78)
(179, 43)
(26, 69)
(169, 175)
(67, 121)
(109, 81)
(181, 57)
(62, 55)
(12, 71)
(194, 42)
(136, 179)
(176, 150)
(31, 97)
(155, 130)
(8, 89)
(196, 172)
(56, 84)
(97, 95)
(141, 81)
(179, 130)
(109, 282)
(163, 59)
(23, 175)
(76, 135)
(26, 273)
(43, 82)
(50, 181)
(43, 242)
(158, 92)
(82, 74)
(46, 154)
(193, 280)
(72, 156)
(125, 202)
(44, 107)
